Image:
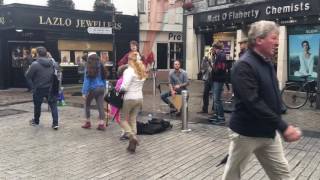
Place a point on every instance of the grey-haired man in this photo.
(256, 123)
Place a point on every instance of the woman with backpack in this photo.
(133, 79)
(94, 88)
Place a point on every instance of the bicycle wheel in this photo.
(294, 96)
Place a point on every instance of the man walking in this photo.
(40, 73)
(256, 123)
(178, 81)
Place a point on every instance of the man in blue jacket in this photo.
(256, 123)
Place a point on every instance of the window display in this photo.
(65, 57)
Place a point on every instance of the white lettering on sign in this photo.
(175, 36)
(2, 20)
(293, 7)
(55, 21)
(99, 30)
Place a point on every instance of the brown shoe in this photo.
(133, 142)
(87, 125)
(101, 127)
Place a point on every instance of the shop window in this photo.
(84, 45)
(217, 2)
(141, 6)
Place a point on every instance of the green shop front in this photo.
(67, 34)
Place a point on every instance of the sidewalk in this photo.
(306, 118)
(74, 153)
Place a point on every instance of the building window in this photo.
(141, 6)
(217, 2)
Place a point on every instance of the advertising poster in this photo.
(65, 57)
(303, 55)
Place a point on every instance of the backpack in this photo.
(153, 126)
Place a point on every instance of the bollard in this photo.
(154, 82)
(184, 94)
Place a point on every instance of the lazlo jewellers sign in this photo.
(76, 23)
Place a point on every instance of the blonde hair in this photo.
(137, 65)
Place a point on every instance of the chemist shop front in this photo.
(67, 34)
(299, 21)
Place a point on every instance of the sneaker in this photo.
(55, 127)
(219, 122)
(33, 123)
(213, 118)
(124, 136)
(87, 125)
(173, 110)
(101, 127)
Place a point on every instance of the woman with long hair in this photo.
(93, 88)
(133, 79)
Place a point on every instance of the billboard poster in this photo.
(303, 55)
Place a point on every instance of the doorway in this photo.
(162, 55)
(175, 53)
(20, 52)
(167, 53)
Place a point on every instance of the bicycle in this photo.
(296, 94)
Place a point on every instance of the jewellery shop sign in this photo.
(271, 10)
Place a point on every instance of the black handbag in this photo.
(114, 98)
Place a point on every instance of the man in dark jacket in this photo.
(218, 78)
(40, 73)
(256, 123)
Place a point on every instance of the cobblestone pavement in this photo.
(73, 153)
(307, 118)
(28, 152)
(13, 96)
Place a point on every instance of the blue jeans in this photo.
(38, 96)
(217, 90)
(164, 96)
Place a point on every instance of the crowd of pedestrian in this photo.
(255, 124)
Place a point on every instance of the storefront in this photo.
(299, 20)
(67, 34)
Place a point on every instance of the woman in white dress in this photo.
(306, 60)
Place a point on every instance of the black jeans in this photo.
(38, 96)
(206, 94)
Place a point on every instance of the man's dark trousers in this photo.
(206, 94)
(38, 96)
